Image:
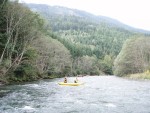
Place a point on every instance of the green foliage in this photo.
(53, 57)
(106, 64)
(67, 71)
(19, 27)
(84, 34)
(145, 75)
(21, 30)
(25, 72)
(80, 43)
(2, 24)
(86, 65)
(30, 54)
(134, 57)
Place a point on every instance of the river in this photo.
(99, 94)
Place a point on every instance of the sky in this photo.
(131, 12)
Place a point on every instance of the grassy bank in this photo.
(145, 75)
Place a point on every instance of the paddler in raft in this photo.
(65, 80)
(76, 80)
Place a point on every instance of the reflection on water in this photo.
(99, 94)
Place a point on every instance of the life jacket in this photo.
(65, 81)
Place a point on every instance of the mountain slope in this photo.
(86, 34)
(58, 10)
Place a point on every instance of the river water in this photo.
(99, 94)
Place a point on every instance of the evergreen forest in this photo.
(40, 41)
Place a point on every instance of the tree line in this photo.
(134, 57)
(89, 37)
(26, 51)
(32, 47)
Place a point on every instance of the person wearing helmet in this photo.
(76, 80)
(65, 80)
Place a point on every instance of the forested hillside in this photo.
(85, 34)
(26, 52)
(48, 42)
(94, 34)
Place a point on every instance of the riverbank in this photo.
(145, 75)
(3, 82)
(15, 80)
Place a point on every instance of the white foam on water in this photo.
(78, 102)
(94, 104)
(68, 107)
(4, 91)
(28, 108)
(31, 85)
(34, 85)
(110, 105)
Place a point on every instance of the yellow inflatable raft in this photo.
(70, 84)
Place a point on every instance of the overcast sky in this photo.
(135, 13)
